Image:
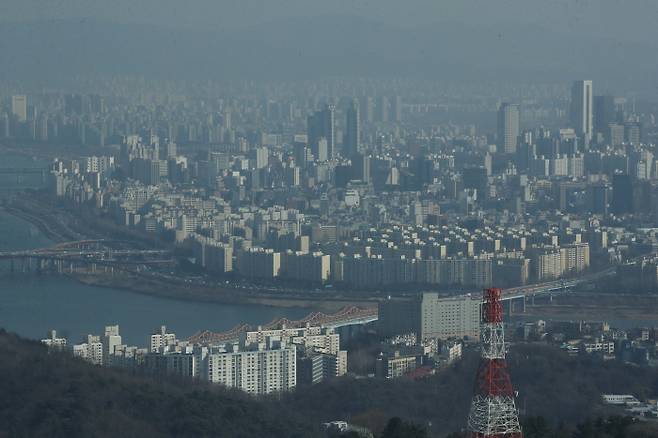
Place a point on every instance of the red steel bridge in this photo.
(350, 315)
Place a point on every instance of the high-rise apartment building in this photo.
(582, 114)
(269, 368)
(161, 340)
(211, 254)
(91, 350)
(111, 340)
(259, 263)
(508, 128)
(260, 157)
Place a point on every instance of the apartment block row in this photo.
(257, 362)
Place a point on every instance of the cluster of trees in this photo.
(57, 395)
(611, 427)
(551, 384)
(54, 394)
(538, 427)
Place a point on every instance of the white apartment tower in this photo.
(160, 340)
(581, 109)
(259, 371)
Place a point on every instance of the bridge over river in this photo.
(85, 253)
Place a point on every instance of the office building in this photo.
(445, 318)
(582, 109)
(361, 168)
(352, 130)
(430, 316)
(604, 113)
(320, 125)
(508, 128)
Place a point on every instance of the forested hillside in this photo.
(57, 395)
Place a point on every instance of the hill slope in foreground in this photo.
(57, 395)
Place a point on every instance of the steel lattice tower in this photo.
(493, 410)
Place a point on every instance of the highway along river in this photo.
(31, 304)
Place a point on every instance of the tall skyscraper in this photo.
(301, 153)
(352, 131)
(582, 109)
(604, 113)
(322, 124)
(508, 127)
(19, 107)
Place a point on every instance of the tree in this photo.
(397, 428)
(536, 427)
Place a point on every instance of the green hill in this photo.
(54, 394)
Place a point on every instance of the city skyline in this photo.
(306, 219)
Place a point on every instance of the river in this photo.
(30, 304)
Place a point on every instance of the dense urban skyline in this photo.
(302, 219)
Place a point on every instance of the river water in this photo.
(30, 305)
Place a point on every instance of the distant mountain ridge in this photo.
(316, 48)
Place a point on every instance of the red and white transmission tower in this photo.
(493, 410)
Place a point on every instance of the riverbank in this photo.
(38, 222)
(154, 287)
(597, 307)
(56, 226)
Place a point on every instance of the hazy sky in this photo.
(623, 19)
(606, 40)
